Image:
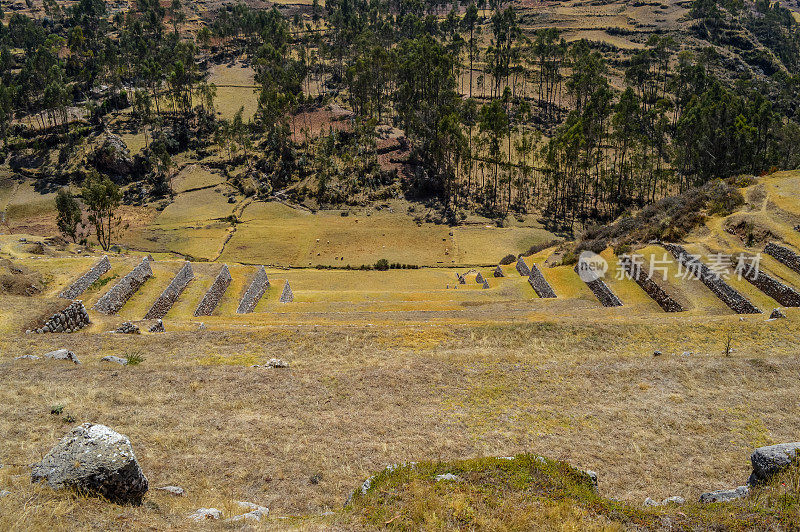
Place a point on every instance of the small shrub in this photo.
(56, 410)
(508, 259)
(382, 265)
(134, 359)
(69, 418)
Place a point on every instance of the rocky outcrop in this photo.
(784, 255)
(650, 287)
(120, 293)
(85, 281)
(784, 295)
(254, 292)
(116, 360)
(93, 459)
(767, 461)
(522, 267)
(171, 293)
(287, 296)
(540, 284)
(157, 327)
(71, 319)
(214, 294)
(113, 157)
(728, 295)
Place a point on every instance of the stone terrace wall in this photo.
(70, 319)
(656, 293)
(784, 255)
(171, 293)
(784, 295)
(727, 294)
(113, 300)
(540, 284)
(214, 294)
(522, 268)
(603, 293)
(254, 292)
(85, 281)
(287, 296)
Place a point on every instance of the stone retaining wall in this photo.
(171, 293)
(71, 319)
(784, 295)
(85, 281)
(522, 268)
(254, 292)
(215, 293)
(784, 255)
(602, 292)
(287, 296)
(540, 284)
(113, 300)
(727, 294)
(656, 293)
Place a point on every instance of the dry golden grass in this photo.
(358, 398)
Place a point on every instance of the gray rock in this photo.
(676, 499)
(116, 360)
(255, 514)
(173, 490)
(62, 354)
(203, 514)
(27, 357)
(498, 272)
(777, 314)
(4, 493)
(447, 476)
(770, 460)
(96, 460)
(157, 327)
(725, 495)
(277, 363)
(657, 353)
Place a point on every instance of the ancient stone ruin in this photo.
(127, 328)
(214, 294)
(656, 293)
(254, 292)
(287, 296)
(775, 289)
(71, 319)
(603, 293)
(120, 293)
(461, 279)
(540, 284)
(479, 279)
(498, 272)
(85, 281)
(784, 255)
(727, 294)
(522, 268)
(171, 293)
